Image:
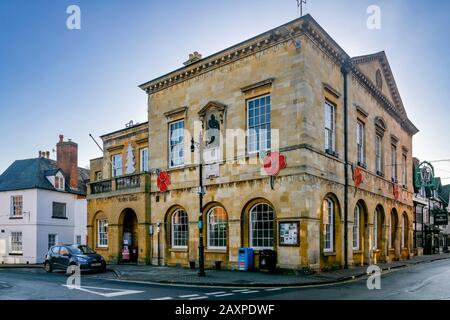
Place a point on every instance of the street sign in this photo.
(440, 217)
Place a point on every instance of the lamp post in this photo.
(201, 248)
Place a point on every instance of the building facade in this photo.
(292, 90)
(42, 203)
(118, 197)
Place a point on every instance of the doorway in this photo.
(129, 241)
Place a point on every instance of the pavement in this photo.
(184, 276)
(178, 275)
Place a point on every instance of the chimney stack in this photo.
(67, 160)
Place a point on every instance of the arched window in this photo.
(328, 223)
(179, 229)
(102, 233)
(375, 229)
(261, 226)
(404, 231)
(217, 228)
(356, 227)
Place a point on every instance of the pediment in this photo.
(212, 106)
(376, 68)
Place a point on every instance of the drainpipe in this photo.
(345, 70)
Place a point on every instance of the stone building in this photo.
(119, 198)
(293, 90)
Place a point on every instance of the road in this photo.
(429, 281)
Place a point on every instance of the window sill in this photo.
(16, 218)
(357, 251)
(60, 218)
(332, 153)
(362, 165)
(329, 253)
(16, 254)
(216, 250)
(178, 250)
(101, 247)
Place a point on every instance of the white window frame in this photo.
(329, 227)
(63, 205)
(181, 144)
(144, 159)
(175, 233)
(379, 153)
(224, 235)
(15, 205)
(102, 233)
(357, 227)
(16, 242)
(114, 165)
(251, 227)
(268, 135)
(360, 142)
(330, 133)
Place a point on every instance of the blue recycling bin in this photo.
(245, 259)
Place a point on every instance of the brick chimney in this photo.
(67, 160)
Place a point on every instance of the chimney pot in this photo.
(61, 138)
(47, 154)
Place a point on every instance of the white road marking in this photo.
(253, 291)
(198, 298)
(273, 289)
(165, 298)
(189, 296)
(214, 293)
(224, 295)
(240, 290)
(116, 293)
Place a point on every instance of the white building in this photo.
(42, 203)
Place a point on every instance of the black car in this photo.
(61, 257)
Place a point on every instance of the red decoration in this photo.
(357, 176)
(163, 181)
(273, 163)
(396, 191)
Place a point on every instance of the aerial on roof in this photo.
(33, 173)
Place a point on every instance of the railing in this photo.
(101, 187)
(129, 182)
(120, 184)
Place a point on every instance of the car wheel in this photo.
(48, 267)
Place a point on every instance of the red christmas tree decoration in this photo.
(396, 191)
(357, 176)
(163, 181)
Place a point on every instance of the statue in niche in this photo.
(212, 132)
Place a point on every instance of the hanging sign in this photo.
(273, 163)
(357, 176)
(163, 181)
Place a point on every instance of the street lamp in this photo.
(201, 249)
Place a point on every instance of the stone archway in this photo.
(128, 236)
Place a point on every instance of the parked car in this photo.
(61, 257)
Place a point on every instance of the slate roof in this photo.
(33, 173)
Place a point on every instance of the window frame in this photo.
(394, 173)
(144, 159)
(330, 226)
(169, 143)
(404, 170)
(14, 205)
(18, 243)
(257, 135)
(360, 142)
(252, 228)
(102, 224)
(114, 170)
(55, 241)
(332, 130)
(53, 210)
(379, 154)
(210, 229)
(357, 227)
(173, 232)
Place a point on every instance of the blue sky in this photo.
(75, 82)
